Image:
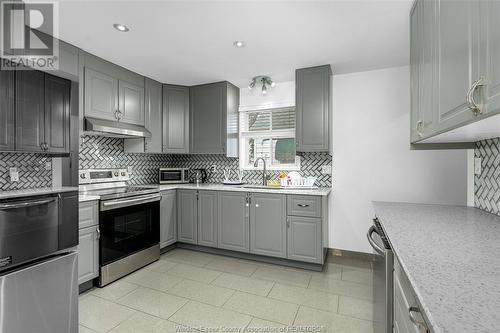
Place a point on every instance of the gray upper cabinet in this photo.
(187, 216)
(490, 30)
(131, 103)
(153, 116)
(101, 95)
(210, 105)
(57, 114)
(7, 138)
(313, 107)
(208, 218)
(30, 114)
(268, 224)
(457, 58)
(175, 119)
(112, 92)
(168, 218)
(234, 215)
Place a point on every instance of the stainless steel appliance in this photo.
(174, 175)
(383, 267)
(129, 222)
(38, 263)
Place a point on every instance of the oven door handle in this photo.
(25, 204)
(114, 204)
(372, 242)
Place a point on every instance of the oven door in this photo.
(29, 229)
(128, 226)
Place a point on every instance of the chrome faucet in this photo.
(264, 174)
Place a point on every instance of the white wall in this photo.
(282, 95)
(372, 159)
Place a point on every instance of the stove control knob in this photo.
(123, 174)
(115, 173)
(83, 176)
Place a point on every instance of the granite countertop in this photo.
(85, 197)
(451, 255)
(35, 191)
(322, 191)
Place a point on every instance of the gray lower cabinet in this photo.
(405, 305)
(268, 224)
(187, 216)
(168, 218)
(88, 241)
(88, 254)
(304, 239)
(234, 215)
(208, 218)
(175, 119)
(7, 136)
(313, 105)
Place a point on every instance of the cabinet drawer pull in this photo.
(419, 127)
(303, 205)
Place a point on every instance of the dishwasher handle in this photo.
(374, 245)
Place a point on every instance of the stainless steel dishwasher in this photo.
(383, 267)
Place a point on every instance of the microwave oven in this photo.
(174, 175)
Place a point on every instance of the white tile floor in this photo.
(198, 290)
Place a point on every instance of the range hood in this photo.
(115, 129)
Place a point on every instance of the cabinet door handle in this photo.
(256, 205)
(288, 222)
(303, 205)
(98, 233)
(470, 97)
(419, 127)
(42, 146)
(420, 324)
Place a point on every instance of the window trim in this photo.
(271, 134)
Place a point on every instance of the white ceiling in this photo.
(191, 42)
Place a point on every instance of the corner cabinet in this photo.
(313, 108)
(455, 84)
(175, 119)
(212, 119)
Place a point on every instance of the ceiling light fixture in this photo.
(239, 43)
(264, 80)
(121, 27)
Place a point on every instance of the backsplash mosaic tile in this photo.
(31, 168)
(487, 184)
(103, 152)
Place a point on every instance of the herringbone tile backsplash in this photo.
(487, 184)
(103, 152)
(31, 168)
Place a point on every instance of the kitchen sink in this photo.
(262, 187)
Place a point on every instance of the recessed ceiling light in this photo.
(121, 27)
(239, 43)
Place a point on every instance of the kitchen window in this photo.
(269, 134)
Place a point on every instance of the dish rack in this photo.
(298, 182)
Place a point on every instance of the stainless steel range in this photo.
(129, 222)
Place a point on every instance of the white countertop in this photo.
(35, 191)
(322, 191)
(450, 255)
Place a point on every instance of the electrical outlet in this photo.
(477, 165)
(48, 166)
(14, 175)
(326, 169)
(214, 168)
